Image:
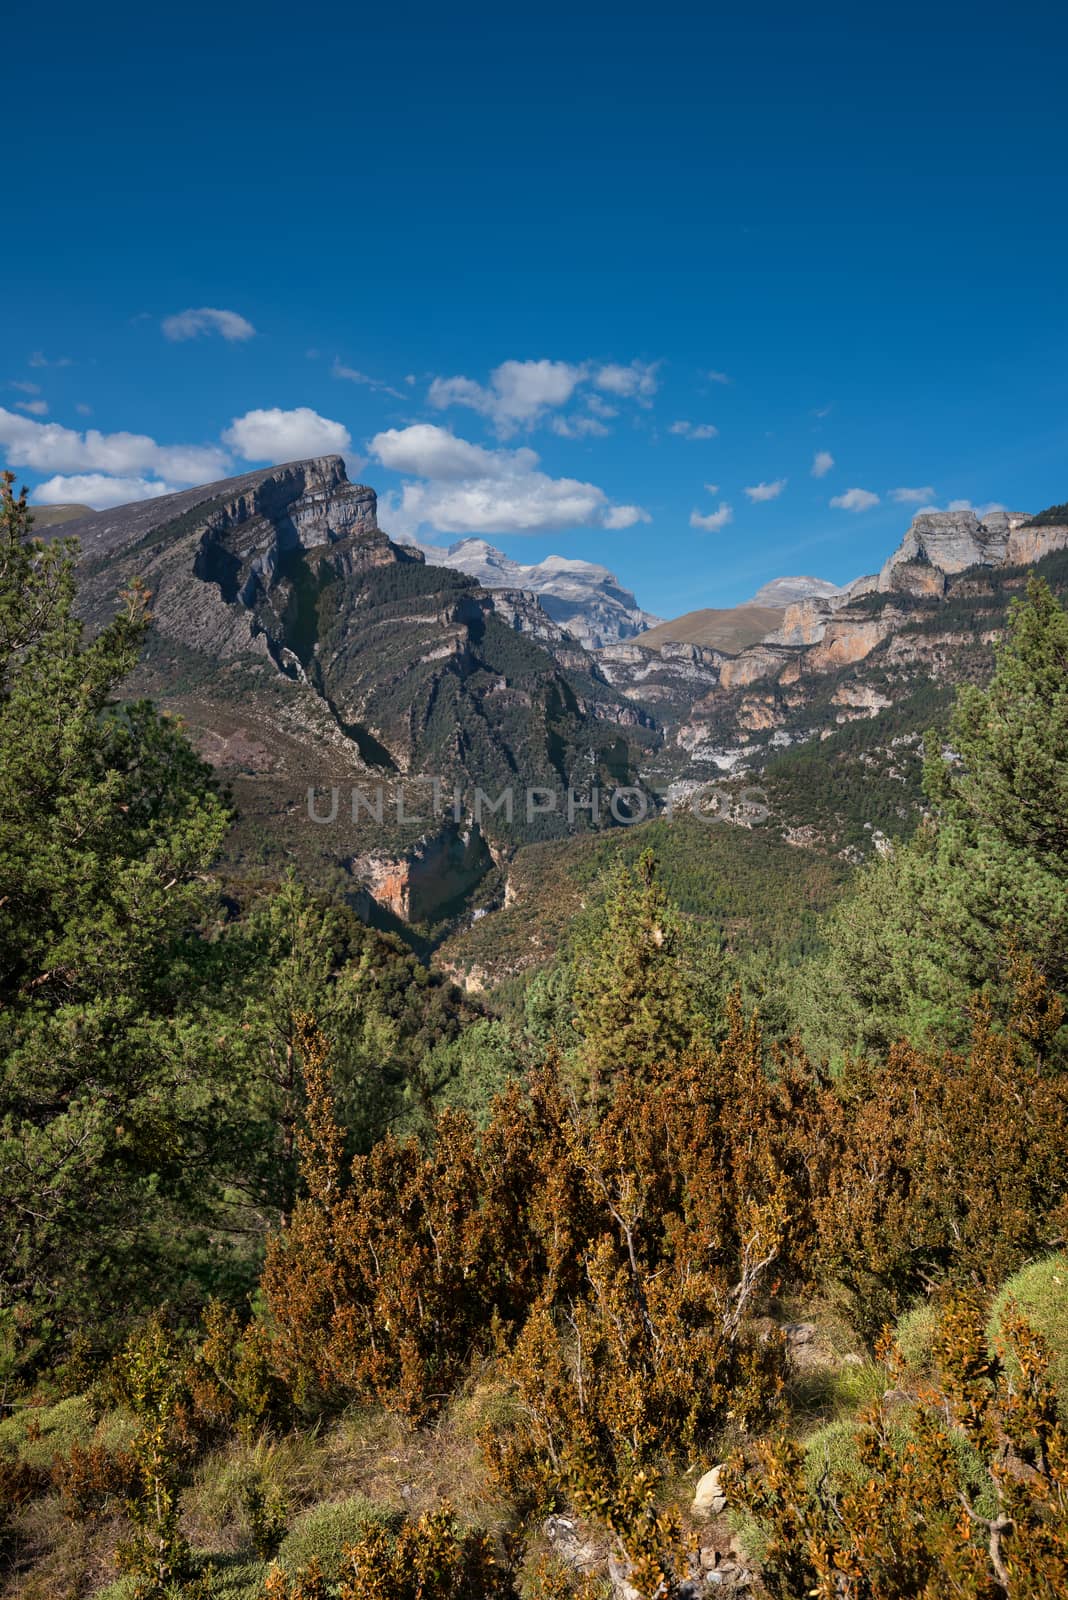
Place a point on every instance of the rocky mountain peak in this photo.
(939, 543)
(584, 598)
(312, 502)
(788, 591)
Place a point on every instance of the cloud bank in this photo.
(523, 394)
(465, 488)
(108, 469)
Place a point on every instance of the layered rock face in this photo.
(889, 618)
(243, 539)
(1029, 544)
(945, 542)
(304, 648)
(442, 867)
(312, 501)
(667, 678)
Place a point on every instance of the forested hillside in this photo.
(724, 1252)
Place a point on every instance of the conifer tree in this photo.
(985, 880)
(634, 1008)
(107, 822)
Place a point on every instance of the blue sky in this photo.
(549, 236)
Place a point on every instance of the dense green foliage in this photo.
(285, 1215)
(150, 1093)
(938, 919)
(107, 824)
(1052, 517)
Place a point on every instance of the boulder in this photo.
(709, 1498)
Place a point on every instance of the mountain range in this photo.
(305, 649)
(586, 599)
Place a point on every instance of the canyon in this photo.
(304, 649)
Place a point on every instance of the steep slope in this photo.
(830, 707)
(734, 628)
(730, 630)
(586, 599)
(52, 516)
(304, 648)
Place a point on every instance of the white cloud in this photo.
(275, 435)
(579, 428)
(822, 462)
(519, 392)
(24, 386)
(759, 492)
(718, 377)
(83, 410)
(98, 491)
(207, 319)
(913, 497)
(39, 359)
(468, 489)
(636, 382)
(855, 500)
(715, 521)
(36, 408)
(713, 488)
(525, 388)
(49, 447)
(426, 451)
(695, 430)
(522, 394)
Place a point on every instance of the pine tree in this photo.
(985, 880)
(634, 1008)
(107, 822)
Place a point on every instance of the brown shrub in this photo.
(967, 1498)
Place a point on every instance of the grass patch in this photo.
(1040, 1293)
(37, 1434)
(323, 1532)
(914, 1335)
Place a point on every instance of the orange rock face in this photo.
(1027, 545)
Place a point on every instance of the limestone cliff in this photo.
(305, 649)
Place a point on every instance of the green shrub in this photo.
(1040, 1291)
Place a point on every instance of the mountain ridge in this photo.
(306, 650)
(582, 596)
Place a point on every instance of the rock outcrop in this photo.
(1029, 542)
(304, 648)
(943, 542)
